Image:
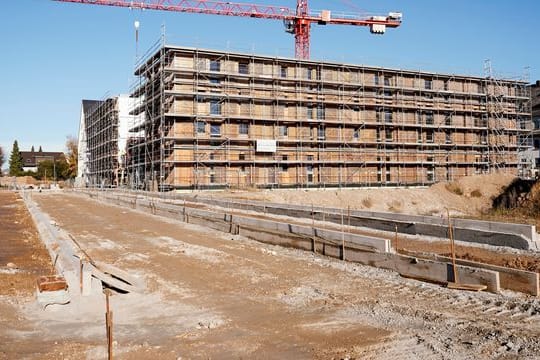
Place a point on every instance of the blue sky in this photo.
(54, 54)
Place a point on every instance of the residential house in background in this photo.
(32, 158)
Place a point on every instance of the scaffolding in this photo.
(101, 128)
(221, 119)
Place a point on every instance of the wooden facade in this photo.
(220, 119)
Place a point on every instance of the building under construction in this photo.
(223, 119)
(103, 134)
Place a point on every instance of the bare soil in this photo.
(467, 196)
(23, 257)
(214, 295)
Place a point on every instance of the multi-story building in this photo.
(103, 134)
(215, 119)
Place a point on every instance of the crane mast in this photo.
(297, 22)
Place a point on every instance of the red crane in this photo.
(297, 22)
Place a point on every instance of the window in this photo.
(387, 93)
(388, 176)
(429, 159)
(419, 136)
(446, 85)
(201, 127)
(388, 116)
(310, 109)
(243, 128)
(388, 135)
(310, 158)
(284, 167)
(320, 112)
(242, 157)
(212, 175)
(283, 71)
(356, 134)
(483, 138)
(376, 79)
(428, 84)
(429, 136)
(448, 137)
(386, 81)
(215, 65)
(321, 133)
(283, 130)
(429, 118)
(243, 68)
(419, 117)
(378, 131)
(215, 129)
(215, 107)
(215, 81)
(309, 75)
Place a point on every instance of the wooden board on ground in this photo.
(468, 287)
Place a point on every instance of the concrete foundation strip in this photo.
(300, 237)
(527, 282)
(519, 236)
(68, 263)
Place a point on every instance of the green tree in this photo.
(49, 170)
(2, 159)
(15, 161)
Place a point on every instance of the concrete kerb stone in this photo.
(518, 236)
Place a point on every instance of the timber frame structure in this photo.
(215, 119)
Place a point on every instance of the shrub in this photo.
(454, 188)
(476, 193)
(367, 203)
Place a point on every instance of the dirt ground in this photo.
(467, 196)
(23, 258)
(213, 295)
(22, 255)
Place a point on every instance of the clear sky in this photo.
(55, 54)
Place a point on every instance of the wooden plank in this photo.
(468, 287)
(113, 282)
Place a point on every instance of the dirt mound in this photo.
(468, 196)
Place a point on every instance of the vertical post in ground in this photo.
(313, 245)
(108, 323)
(452, 247)
(81, 275)
(342, 237)
(396, 241)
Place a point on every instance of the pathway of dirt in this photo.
(22, 255)
(219, 296)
